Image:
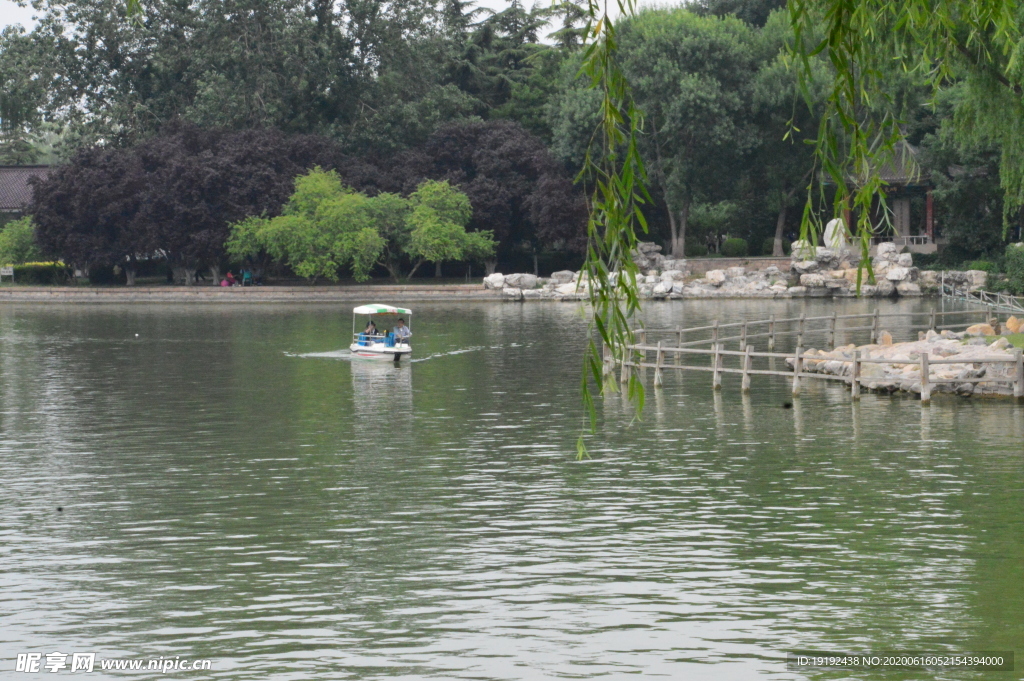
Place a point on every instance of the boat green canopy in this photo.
(374, 308)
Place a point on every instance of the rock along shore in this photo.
(974, 347)
(812, 273)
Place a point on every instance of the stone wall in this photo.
(702, 266)
(237, 294)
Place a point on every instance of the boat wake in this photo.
(346, 355)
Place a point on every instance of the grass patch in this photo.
(1016, 339)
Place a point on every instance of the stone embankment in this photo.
(237, 294)
(974, 347)
(812, 272)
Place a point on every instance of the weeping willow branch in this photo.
(613, 168)
(935, 40)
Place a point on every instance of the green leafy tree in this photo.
(18, 242)
(326, 225)
(691, 77)
(437, 225)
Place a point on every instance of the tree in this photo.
(437, 225)
(691, 77)
(18, 242)
(326, 225)
(514, 185)
(26, 83)
(189, 185)
(937, 43)
(89, 211)
(781, 163)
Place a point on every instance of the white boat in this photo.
(383, 345)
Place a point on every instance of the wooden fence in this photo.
(672, 344)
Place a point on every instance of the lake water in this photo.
(234, 489)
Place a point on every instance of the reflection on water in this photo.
(231, 493)
(381, 393)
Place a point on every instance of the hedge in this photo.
(734, 248)
(42, 273)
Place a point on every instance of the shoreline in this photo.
(327, 294)
(244, 295)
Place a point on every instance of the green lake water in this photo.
(234, 489)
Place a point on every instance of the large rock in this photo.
(805, 266)
(812, 280)
(884, 288)
(512, 293)
(670, 264)
(979, 278)
(886, 251)
(661, 289)
(673, 275)
(905, 260)
(908, 288)
(928, 280)
(802, 250)
(896, 274)
(980, 330)
(524, 281)
(734, 272)
(796, 291)
(715, 277)
(569, 289)
(495, 281)
(562, 276)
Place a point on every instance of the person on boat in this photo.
(401, 331)
(371, 329)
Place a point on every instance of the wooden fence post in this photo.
(874, 328)
(747, 361)
(679, 344)
(931, 321)
(743, 336)
(714, 332)
(855, 376)
(609, 361)
(832, 331)
(643, 336)
(771, 334)
(800, 332)
(798, 365)
(716, 374)
(1018, 384)
(657, 368)
(926, 388)
(623, 369)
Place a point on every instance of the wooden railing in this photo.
(636, 355)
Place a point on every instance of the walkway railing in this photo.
(671, 348)
(994, 301)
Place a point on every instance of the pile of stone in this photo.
(974, 347)
(648, 257)
(813, 272)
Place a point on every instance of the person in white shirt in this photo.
(402, 331)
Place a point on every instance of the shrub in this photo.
(42, 273)
(983, 265)
(695, 250)
(734, 248)
(928, 261)
(18, 242)
(1014, 265)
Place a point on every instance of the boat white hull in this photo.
(381, 352)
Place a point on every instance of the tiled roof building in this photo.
(15, 190)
